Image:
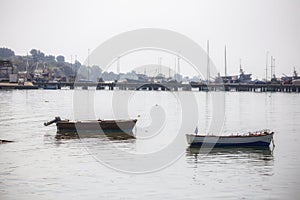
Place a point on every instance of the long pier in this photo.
(238, 87)
(247, 87)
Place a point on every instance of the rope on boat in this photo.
(272, 140)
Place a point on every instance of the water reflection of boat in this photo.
(192, 151)
(217, 154)
(111, 135)
(255, 160)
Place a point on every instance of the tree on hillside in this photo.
(33, 52)
(37, 55)
(60, 58)
(67, 71)
(50, 58)
(6, 53)
(41, 56)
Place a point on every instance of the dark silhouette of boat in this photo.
(5, 141)
(93, 126)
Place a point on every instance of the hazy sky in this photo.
(249, 28)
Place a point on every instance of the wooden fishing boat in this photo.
(93, 125)
(260, 138)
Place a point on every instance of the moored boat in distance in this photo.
(94, 126)
(260, 138)
(5, 141)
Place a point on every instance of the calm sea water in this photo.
(38, 166)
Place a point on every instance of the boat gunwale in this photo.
(233, 136)
(96, 121)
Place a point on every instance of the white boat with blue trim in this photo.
(259, 138)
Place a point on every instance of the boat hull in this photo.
(96, 125)
(230, 141)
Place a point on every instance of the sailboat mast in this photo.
(178, 64)
(175, 68)
(27, 66)
(267, 56)
(271, 66)
(208, 72)
(274, 67)
(88, 68)
(295, 73)
(118, 65)
(75, 63)
(225, 62)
